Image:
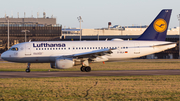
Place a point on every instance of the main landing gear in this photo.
(28, 68)
(85, 69)
(85, 66)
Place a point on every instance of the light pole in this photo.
(8, 34)
(7, 19)
(25, 33)
(80, 20)
(178, 16)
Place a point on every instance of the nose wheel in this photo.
(28, 68)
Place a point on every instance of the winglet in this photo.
(158, 28)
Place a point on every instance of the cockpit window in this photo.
(14, 49)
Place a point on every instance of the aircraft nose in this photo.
(3, 55)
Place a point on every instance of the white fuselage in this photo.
(48, 51)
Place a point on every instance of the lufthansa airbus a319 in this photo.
(66, 54)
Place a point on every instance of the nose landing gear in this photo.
(28, 68)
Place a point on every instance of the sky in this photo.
(95, 13)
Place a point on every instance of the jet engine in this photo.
(62, 63)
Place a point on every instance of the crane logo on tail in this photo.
(160, 25)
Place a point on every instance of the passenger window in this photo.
(87, 47)
(50, 48)
(59, 48)
(64, 48)
(36, 48)
(47, 48)
(39, 48)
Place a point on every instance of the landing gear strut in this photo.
(28, 68)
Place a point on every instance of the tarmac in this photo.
(87, 74)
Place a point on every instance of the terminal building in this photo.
(36, 29)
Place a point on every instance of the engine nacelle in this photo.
(63, 63)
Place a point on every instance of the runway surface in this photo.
(83, 74)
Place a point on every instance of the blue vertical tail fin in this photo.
(157, 30)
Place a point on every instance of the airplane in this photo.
(66, 54)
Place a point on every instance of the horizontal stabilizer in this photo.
(173, 43)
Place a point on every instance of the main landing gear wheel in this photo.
(28, 68)
(85, 69)
(88, 69)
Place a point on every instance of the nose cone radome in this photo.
(4, 55)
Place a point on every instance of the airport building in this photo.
(125, 30)
(35, 29)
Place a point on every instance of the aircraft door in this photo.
(28, 50)
(136, 48)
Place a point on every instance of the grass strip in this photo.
(92, 88)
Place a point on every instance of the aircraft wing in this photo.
(93, 54)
